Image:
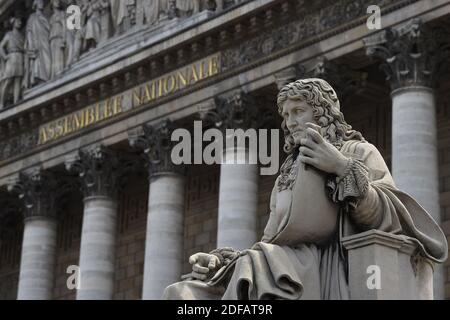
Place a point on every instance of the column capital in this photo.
(236, 110)
(155, 141)
(38, 191)
(343, 79)
(412, 55)
(99, 170)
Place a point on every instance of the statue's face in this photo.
(297, 114)
(17, 23)
(39, 4)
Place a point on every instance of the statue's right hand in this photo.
(204, 265)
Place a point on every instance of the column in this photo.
(165, 218)
(237, 225)
(98, 171)
(410, 59)
(37, 191)
(238, 201)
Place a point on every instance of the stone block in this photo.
(384, 266)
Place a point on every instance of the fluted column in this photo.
(164, 235)
(411, 59)
(98, 170)
(237, 225)
(37, 191)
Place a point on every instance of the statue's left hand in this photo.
(321, 154)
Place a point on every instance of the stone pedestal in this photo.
(164, 238)
(383, 266)
(238, 201)
(37, 266)
(97, 250)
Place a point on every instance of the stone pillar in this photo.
(37, 191)
(98, 170)
(165, 218)
(238, 191)
(238, 201)
(410, 59)
(383, 266)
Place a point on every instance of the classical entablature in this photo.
(170, 68)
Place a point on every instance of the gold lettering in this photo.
(137, 100)
(51, 131)
(79, 120)
(160, 88)
(171, 88)
(43, 135)
(202, 70)
(182, 78)
(117, 105)
(98, 116)
(89, 116)
(150, 95)
(67, 128)
(213, 65)
(108, 109)
(194, 75)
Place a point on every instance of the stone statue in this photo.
(120, 14)
(150, 11)
(37, 47)
(105, 20)
(12, 55)
(300, 255)
(92, 36)
(57, 38)
(187, 7)
(75, 37)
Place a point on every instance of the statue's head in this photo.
(312, 100)
(56, 4)
(38, 5)
(16, 23)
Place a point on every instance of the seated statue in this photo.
(333, 184)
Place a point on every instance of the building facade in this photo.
(86, 177)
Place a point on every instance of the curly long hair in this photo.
(326, 110)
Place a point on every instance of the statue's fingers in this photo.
(317, 137)
(199, 276)
(307, 152)
(308, 142)
(193, 259)
(308, 160)
(200, 269)
(314, 126)
(212, 263)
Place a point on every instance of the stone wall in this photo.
(131, 240)
(10, 249)
(68, 249)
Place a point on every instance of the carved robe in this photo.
(119, 13)
(57, 41)
(14, 45)
(153, 9)
(37, 45)
(93, 25)
(367, 198)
